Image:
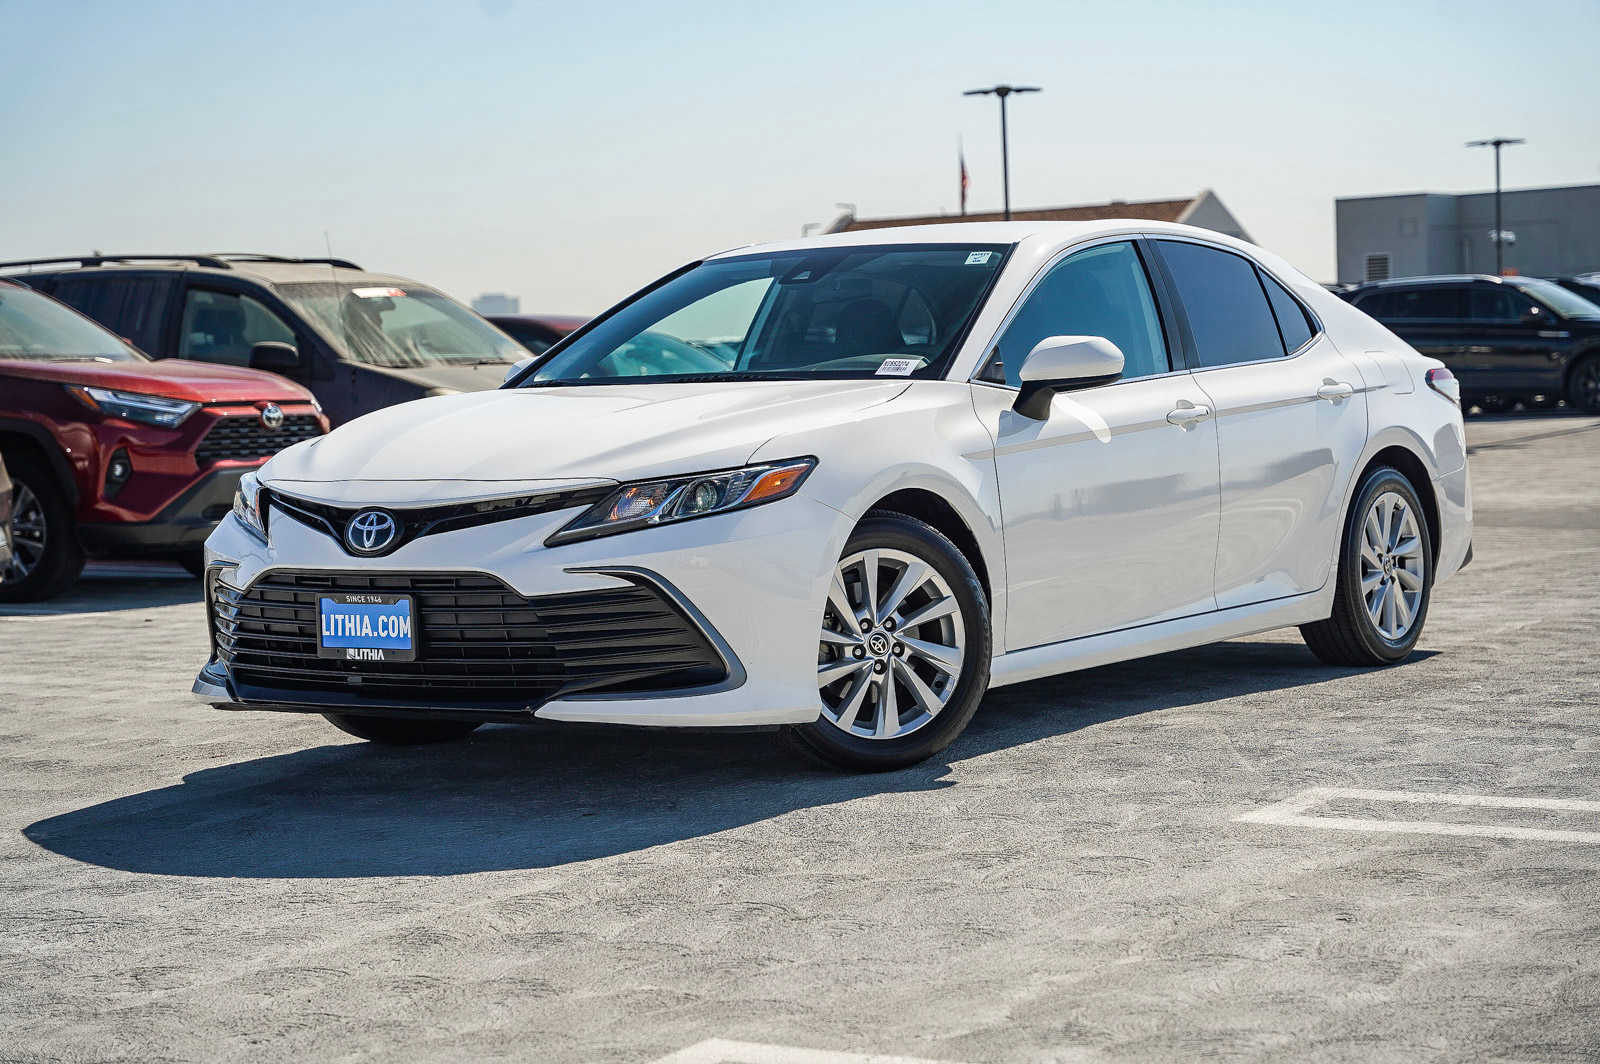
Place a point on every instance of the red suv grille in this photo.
(242, 437)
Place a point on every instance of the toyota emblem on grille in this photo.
(370, 532)
(272, 416)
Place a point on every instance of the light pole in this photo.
(1003, 91)
(1499, 234)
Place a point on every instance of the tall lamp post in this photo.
(1499, 233)
(1003, 91)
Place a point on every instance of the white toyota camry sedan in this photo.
(844, 486)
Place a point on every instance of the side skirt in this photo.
(1087, 652)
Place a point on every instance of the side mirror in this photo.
(274, 356)
(1061, 363)
(517, 367)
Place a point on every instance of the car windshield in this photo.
(38, 329)
(832, 312)
(1565, 303)
(383, 325)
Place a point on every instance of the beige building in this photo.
(1204, 210)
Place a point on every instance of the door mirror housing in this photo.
(517, 367)
(274, 356)
(1062, 363)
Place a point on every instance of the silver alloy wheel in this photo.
(892, 645)
(29, 533)
(1392, 566)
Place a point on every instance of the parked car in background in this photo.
(844, 485)
(5, 521)
(1586, 285)
(110, 453)
(358, 341)
(536, 332)
(1505, 338)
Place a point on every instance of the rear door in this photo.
(1291, 421)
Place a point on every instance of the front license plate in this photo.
(366, 628)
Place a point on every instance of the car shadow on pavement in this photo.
(109, 588)
(538, 796)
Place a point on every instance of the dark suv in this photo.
(1504, 338)
(358, 341)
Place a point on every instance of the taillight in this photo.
(1444, 382)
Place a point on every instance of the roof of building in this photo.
(1151, 210)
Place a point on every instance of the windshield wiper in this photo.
(670, 378)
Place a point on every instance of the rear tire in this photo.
(401, 731)
(1385, 577)
(45, 555)
(916, 572)
(1583, 387)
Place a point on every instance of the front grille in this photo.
(477, 641)
(429, 520)
(242, 437)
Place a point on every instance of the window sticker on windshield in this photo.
(979, 258)
(897, 367)
(378, 293)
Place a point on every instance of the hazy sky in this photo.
(568, 153)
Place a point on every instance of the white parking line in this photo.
(1291, 812)
(724, 1051)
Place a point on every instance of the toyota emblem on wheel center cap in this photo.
(272, 416)
(370, 532)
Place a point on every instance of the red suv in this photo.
(111, 453)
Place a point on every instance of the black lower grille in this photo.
(242, 437)
(478, 642)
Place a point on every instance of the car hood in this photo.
(200, 382)
(550, 437)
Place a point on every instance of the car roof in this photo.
(955, 232)
(267, 269)
(1443, 278)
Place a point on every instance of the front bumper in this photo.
(182, 525)
(754, 581)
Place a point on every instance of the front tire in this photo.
(45, 556)
(903, 657)
(1385, 577)
(401, 731)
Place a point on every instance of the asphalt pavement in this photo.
(1416, 875)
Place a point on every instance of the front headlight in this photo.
(659, 502)
(247, 505)
(134, 406)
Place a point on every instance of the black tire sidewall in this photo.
(897, 532)
(1380, 480)
(1574, 384)
(63, 557)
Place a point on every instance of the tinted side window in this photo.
(1227, 310)
(128, 306)
(1293, 325)
(1378, 304)
(1430, 303)
(1098, 292)
(223, 326)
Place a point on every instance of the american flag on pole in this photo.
(966, 181)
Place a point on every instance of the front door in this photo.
(1110, 504)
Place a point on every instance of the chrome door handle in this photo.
(1333, 391)
(1187, 415)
